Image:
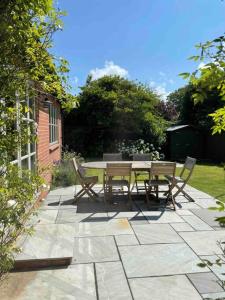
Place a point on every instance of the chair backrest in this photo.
(78, 169)
(118, 169)
(189, 166)
(112, 156)
(162, 168)
(141, 156)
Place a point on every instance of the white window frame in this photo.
(53, 125)
(29, 154)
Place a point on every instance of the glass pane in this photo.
(24, 164)
(32, 138)
(24, 150)
(33, 163)
(32, 147)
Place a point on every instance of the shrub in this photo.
(17, 194)
(63, 171)
(127, 148)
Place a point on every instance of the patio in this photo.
(120, 254)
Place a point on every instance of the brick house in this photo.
(46, 116)
(49, 131)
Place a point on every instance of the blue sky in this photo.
(144, 40)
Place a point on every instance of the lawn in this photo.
(207, 178)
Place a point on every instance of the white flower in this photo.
(44, 185)
(43, 199)
(11, 203)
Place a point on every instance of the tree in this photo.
(198, 113)
(112, 109)
(168, 110)
(210, 77)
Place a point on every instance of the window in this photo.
(26, 154)
(53, 124)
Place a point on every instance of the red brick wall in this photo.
(47, 153)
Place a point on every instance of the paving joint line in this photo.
(124, 270)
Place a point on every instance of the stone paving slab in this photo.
(70, 216)
(184, 212)
(70, 190)
(111, 227)
(49, 241)
(52, 198)
(112, 282)
(214, 296)
(159, 259)
(189, 205)
(72, 283)
(205, 202)
(163, 216)
(44, 217)
(126, 240)
(204, 242)
(138, 221)
(179, 227)
(205, 282)
(218, 270)
(156, 233)
(175, 287)
(197, 223)
(95, 249)
(124, 214)
(209, 216)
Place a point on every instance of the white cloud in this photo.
(165, 78)
(109, 69)
(160, 89)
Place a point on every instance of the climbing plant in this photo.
(26, 65)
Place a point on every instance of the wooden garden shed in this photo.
(183, 141)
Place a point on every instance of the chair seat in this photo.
(118, 182)
(158, 182)
(176, 178)
(90, 179)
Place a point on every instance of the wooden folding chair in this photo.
(112, 156)
(87, 182)
(138, 173)
(180, 181)
(113, 185)
(152, 185)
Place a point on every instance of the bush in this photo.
(63, 170)
(127, 148)
(17, 194)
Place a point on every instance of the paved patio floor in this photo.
(120, 254)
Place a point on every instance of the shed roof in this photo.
(174, 128)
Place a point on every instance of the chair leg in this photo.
(136, 182)
(147, 196)
(170, 195)
(130, 200)
(180, 189)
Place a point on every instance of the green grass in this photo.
(207, 178)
